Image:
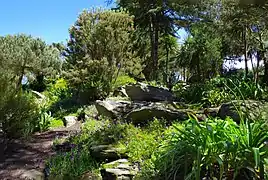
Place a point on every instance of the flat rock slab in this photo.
(145, 92)
(118, 170)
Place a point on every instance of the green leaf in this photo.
(256, 152)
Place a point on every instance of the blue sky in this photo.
(48, 19)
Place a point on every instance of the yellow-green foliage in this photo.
(56, 91)
(123, 80)
(56, 123)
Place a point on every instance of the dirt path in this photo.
(24, 156)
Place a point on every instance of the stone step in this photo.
(120, 169)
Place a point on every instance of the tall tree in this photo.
(154, 19)
(25, 56)
(201, 53)
(245, 29)
(100, 46)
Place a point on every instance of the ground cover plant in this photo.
(140, 41)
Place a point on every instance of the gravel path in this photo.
(25, 156)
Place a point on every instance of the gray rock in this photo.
(112, 109)
(144, 92)
(119, 170)
(249, 109)
(121, 91)
(33, 175)
(213, 112)
(69, 121)
(139, 112)
(150, 112)
(107, 153)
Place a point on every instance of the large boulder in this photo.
(144, 92)
(113, 109)
(140, 112)
(249, 109)
(147, 113)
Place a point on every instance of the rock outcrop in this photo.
(247, 109)
(119, 170)
(140, 112)
(148, 113)
(144, 92)
(113, 109)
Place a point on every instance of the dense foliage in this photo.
(137, 41)
(98, 51)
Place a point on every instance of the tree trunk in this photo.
(265, 71)
(18, 87)
(184, 74)
(198, 70)
(245, 51)
(253, 68)
(260, 56)
(257, 67)
(156, 44)
(167, 60)
(152, 31)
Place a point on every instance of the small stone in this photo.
(118, 172)
(107, 152)
(123, 178)
(123, 166)
(69, 121)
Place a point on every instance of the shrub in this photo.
(123, 80)
(57, 91)
(70, 165)
(19, 115)
(44, 121)
(215, 97)
(140, 143)
(191, 93)
(218, 90)
(213, 149)
(55, 123)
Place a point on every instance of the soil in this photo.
(24, 155)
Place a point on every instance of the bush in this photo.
(44, 121)
(55, 123)
(70, 165)
(213, 149)
(57, 91)
(140, 143)
(123, 80)
(19, 115)
(219, 90)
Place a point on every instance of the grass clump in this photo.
(213, 149)
(71, 165)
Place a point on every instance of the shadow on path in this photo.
(22, 155)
